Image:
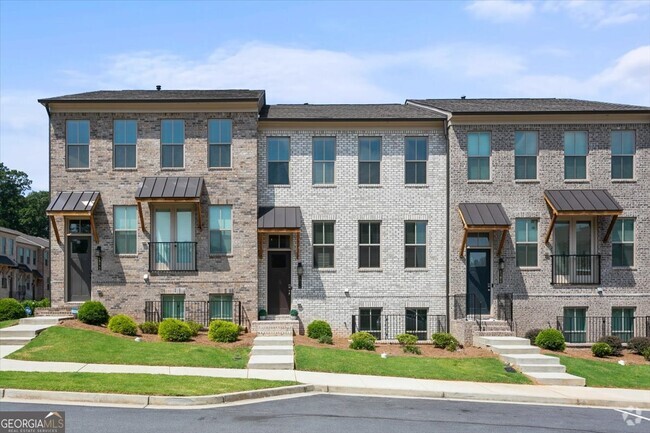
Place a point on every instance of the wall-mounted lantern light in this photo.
(300, 271)
(502, 266)
(98, 254)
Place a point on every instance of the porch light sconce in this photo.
(98, 254)
(300, 272)
(145, 277)
(502, 266)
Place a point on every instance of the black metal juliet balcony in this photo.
(575, 269)
(172, 256)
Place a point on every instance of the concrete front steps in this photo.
(281, 325)
(544, 369)
(272, 353)
(492, 328)
(28, 328)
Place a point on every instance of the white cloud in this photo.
(501, 11)
(600, 13)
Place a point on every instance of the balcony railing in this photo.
(172, 256)
(575, 269)
(592, 329)
(388, 326)
(202, 312)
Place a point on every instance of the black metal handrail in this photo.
(575, 269)
(172, 256)
(593, 328)
(388, 326)
(195, 311)
(505, 309)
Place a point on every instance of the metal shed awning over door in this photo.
(278, 220)
(577, 202)
(170, 190)
(79, 204)
(483, 217)
(7, 261)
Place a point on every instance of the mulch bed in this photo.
(585, 353)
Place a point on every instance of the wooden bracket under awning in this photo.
(556, 213)
(273, 231)
(482, 228)
(195, 201)
(89, 215)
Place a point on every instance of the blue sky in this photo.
(314, 52)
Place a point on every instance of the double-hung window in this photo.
(526, 242)
(172, 142)
(623, 149)
(623, 323)
(324, 157)
(323, 244)
(416, 322)
(416, 160)
(220, 229)
(221, 307)
(526, 155)
(575, 155)
(370, 321)
(575, 325)
(173, 306)
(219, 143)
(369, 160)
(278, 156)
(3, 245)
(77, 140)
(415, 244)
(125, 136)
(369, 244)
(479, 150)
(623, 243)
(21, 255)
(125, 229)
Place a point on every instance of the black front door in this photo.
(478, 281)
(79, 267)
(279, 282)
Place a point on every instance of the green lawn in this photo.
(362, 362)
(146, 384)
(608, 374)
(77, 345)
(7, 323)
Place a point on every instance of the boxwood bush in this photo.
(174, 330)
(318, 329)
(614, 342)
(646, 354)
(362, 341)
(223, 332)
(149, 327)
(601, 350)
(93, 313)
(531, 334)
(123, 324)
(325, 339)
(639, 344)
(551, 339)
(10, 309)
(409, 343)
(194, 327)
(444, 340)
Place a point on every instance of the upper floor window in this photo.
(172, 141)
(526, 242)
(125, 136)
(3, 245)
(46, 257)
(369, 244)
(416, 160)
(21, 255)
(10, 247)
(415, 242)
(324, 157)
(219, 142)
(479, 150)
(278, 156)
(34, 258)
(77, 140)
(623, 242)
(526, 155)
(369, 160)
(575, 155)
(623, 149)
(125, 228)
(323, 244)
(220, 229)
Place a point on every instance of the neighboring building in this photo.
(567, 183)
(24, 266)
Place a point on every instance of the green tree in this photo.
(13, 184)
(32, 218)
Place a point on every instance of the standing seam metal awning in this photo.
(278, 220)
(576, 202)
(74, 204)
(7, 261)
(167, 190)
(481, 217)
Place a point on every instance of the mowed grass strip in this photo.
(8, 323)
(79, 345)
(362, 362)
(608, 374)
(126, 383)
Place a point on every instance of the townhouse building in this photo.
(24, 266)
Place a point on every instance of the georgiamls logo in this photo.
(632, 416)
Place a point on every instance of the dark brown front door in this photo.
(79, 268)
(279, 282)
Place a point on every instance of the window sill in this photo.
(370, 185)
(529, 268)
(125, 168)
(416, 270)
(624, 268)
(172, 168)
(220, 256)
(132, 256)
(279, 185)
(220, 168)
(325, 270)
(577, 181)
(623, 180)
(526, 180)
(78, 169)
(370, 270)
(416, 185)
(326, 185)
(480, 181)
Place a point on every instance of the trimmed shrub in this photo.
(601, 350)
(223, 332)
(33, 305)
(408, 343)
(174, 330)
(318, 329)
(639, 344)
(614, 342)
(10, 309)
(646, 354)
(93, 313)
(551, 339)
(123, 324)
(362, 341)
(325, 339)
(531, 334)
(444, 340)
(149, 327)
(194, 327)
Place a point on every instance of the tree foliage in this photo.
(18, 211)
(32, 218)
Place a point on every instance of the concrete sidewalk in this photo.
(377, 385)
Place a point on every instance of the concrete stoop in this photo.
(27, 328)
(275, 327)
(544, 369)
(272, 353)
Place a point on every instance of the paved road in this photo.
(343, 414)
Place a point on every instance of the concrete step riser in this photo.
(266, 342)
(515, 350)
(541, 359)
(272, 350)
(270, 366)
(8, 333)
(550, 368)
(578, 381)
(39, 321)
(13, 341)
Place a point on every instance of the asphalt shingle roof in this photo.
(526, 105)
(346, 112)
(159, 95)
